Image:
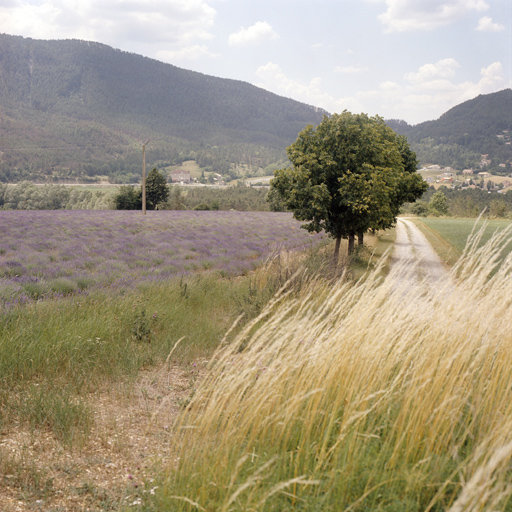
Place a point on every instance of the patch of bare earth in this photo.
(130, 439)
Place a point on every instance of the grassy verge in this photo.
(375, 247)
(71, 368)
(448, 236)
(82, 377)
(53, 353)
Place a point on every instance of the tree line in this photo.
(161, 196)
(29, 196)
(463, 203)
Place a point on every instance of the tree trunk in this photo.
(336, 256)
(360, 238)
(351, 240)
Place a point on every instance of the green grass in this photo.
(367, 257)
(448, 236)
(68, 417)
(76, 345)
(55, 352)
(101, 323)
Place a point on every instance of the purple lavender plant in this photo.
(45, 253)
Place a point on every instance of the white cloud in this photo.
(389, 86)
(407, 15)
(486, 24)
(427, 94)
(492, 77)
(351, 69)
(424, 94)
(172, 24)
(259, 32)
(444, 68)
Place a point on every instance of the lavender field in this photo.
(53, 253)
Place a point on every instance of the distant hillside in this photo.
(74, 108)
(460, 136)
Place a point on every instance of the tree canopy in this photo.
(157, 191)
(351, 174)
(128, 198)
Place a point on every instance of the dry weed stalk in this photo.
(371, 381)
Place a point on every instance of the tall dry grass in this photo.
(370, 396)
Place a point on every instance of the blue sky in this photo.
(403, 59)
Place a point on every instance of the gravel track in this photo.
(414, 261)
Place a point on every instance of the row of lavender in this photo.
(45, 253)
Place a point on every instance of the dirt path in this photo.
(414, 261)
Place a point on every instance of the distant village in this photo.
(467, 178)
(433, 174)
(471, 178)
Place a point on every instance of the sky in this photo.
(399, 59)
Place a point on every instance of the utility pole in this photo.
(144, 177)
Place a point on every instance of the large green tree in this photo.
(351, 174)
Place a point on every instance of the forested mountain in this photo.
(459, 138)
(75, 110)
(81, 108)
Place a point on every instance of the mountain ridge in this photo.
(76, 110)
(126, 97)
(460, 136)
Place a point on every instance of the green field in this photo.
(449, 236)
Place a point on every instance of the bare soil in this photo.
(131, 438)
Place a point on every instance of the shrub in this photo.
(438, 204)
(62, 286)
(128, 198)
(420, 208)
(201, 207)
